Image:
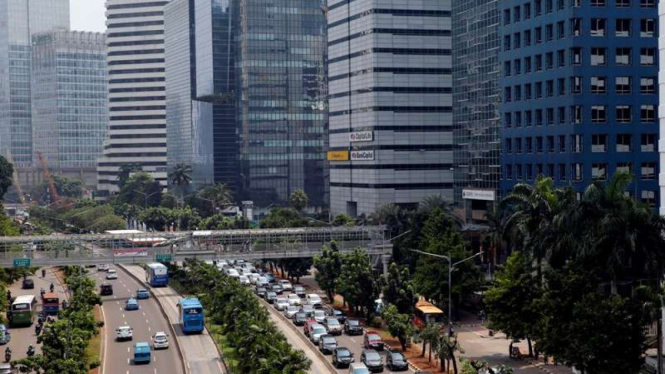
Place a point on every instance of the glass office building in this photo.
(476, 98)
(19, 20)
(580, 92)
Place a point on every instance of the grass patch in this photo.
(229, 353)
(93, 351)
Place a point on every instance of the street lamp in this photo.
(146, 196)
(451, 268)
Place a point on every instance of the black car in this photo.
(342, 357)
(339, 314)
(353, 327)
(261, 292)
(396, 361)
(106, 289)
(300, 318)
(327, 344)
(372, 359)
(28, 284)
(271, 297)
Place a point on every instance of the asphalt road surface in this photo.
(146, 321)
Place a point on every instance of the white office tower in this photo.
(136, 82)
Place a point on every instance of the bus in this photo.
(191, 315)
(51, 303)
(426, 313)
(23, 310)
(156, 275)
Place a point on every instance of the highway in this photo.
(22, 337)
(146, 321)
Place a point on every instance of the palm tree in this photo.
(218, 193)
(432, 202)
(181, 177)
(298, 200)
(126, 170)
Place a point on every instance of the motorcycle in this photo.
(38, 329)
(52, 287)
(8, 355)
(31, 351)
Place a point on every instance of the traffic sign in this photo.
(163, 257)
(21, 262)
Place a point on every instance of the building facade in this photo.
(137, 98)
(661, 112)
(19, 20)
(390, 83)
(69, 99)
(477, 99)
(579, 90)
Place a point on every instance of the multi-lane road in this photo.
(146, 321)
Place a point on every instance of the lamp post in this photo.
(146, 196)
(451, 268)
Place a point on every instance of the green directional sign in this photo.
(21, 262)
(164, 257)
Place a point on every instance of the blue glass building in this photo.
(579, 92)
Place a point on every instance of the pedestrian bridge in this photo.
(135, 247)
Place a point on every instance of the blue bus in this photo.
(157, 275)
(191, 315)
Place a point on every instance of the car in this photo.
(372, 359)
(6, 368)
(142, 293)
(327, 344)
(339, 314)
(316, 332)
(294, 299)
(281, 303)
(111, 274)
(106, 289)
(261, 292)
(333, 326)
(314, 300)
(142, 353)
(286, 285)
(232, 273)
(5, 336)
(396, 361)
(270, 278)
(276, 288)
(28, 284)
(131, 304)
(290, 311)
(253, 278)
(300, 291)
(124, 333)
(372, 340)
(263, 282)
(299, 318)
(102, 267)
(160, 340)
(308, 326)
(358, 368)
(244, 280)
(353, 327)
(271, 297)
(342, 357)
(308, 309)
(319, 316)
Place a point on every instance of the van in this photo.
(358, 368)
(142, 353)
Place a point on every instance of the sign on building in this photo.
(361, 136)
(485, 195)
(338, 155)
(362, 155)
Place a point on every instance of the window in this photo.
(598, 85)
(561, 58)
(527, 11)
(647, 56)
(577, 172)
(539, 90)
(529, 171)
(518, 145)
(623, 3)
(549, 59)
(538, 5)
(576, 27)
(648, 172)
(549, 32)
(527, 64)
(576, 85)
(550, 170)
(622, 85)
(576, 114)
(562, 144)
(550, 116)
(622, 57)
(598, 26)
(561, 86)
(539, 35)
(598, 114)
(647, 114)
(597, 2)
(539, 169)
(518, 172)
(549, 88)
(527, 38)
(562, 115)
(598, 56)
(539, 62)
(561, 30)
(647, 85)
(507, 95)
(576, 56)
(599, 171)
(507, 68)
(506, 17)
(548, 6)
(509, 171)
(517, 40)
(539, 144)
(624, 168)
(599, 143)
(648, 3)
(550, 144)
(622, 28)
(649, 198)
(647, 28)
(624, 114)
(508, 119)
(562, 172)
(576, 3)
(648, 143)
(624, 143)
(518, 93)
(528, 118)
(518, 66)
(577, 143)
(506, 42)
(518, 119)
(527, 91)
(516, 14)
(539, 117)
(509, 145)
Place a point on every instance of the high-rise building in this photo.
(137, 98)
(579, 88)
(19, 20)
(476, 98)
(69, 100)
(391, 136)
(661, 112)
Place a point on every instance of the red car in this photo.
(308, 326)
(372, 340)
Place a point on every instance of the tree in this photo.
(357, 283)
(181, 176)
(66, 187)
(218, 195)
(428, 335)
(399, 324)
(143, 182)
(447, 346)
(6, 175)
(126, 171)
(283, 217)
(398, 289)
(328, 269)
(108, 223)
(217, 222)
(157, 218)
(298, 200)
(343, 219)
(298, 267)
(188, 219)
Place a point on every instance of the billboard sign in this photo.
(338, 155)
(362, 155)
(485, 195)
(361, 136)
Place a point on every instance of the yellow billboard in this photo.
(338, 155)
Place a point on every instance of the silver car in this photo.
(317, 332)
(290, 311)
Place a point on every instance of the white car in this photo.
(314, 300)
(244, 280)
(124, 333)
(294, 299)
(290, 311)
(233, 273)
(317, 332)
(262, 281)
(160, 340)
(320, 316)
(111, 274)
(286, 285)
(221, 263)
(253, 278)
(281, 303)
(103, 267)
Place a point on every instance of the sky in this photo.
(88, 15)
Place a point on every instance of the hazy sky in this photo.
(88, 15)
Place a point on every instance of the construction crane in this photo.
(17, 182)
(47, 176)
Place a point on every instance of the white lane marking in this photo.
(148, 328)
(146, 321)
(117, 302)
(128, 363)
(123, 315)
(354, 340)
(155, 370)
(127, 349)
(143, 314)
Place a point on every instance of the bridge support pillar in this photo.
(385, 259)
